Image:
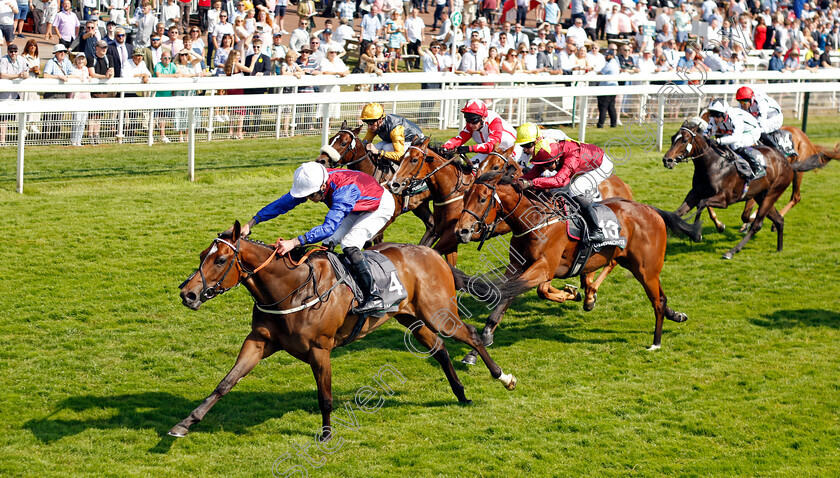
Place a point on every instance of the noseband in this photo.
(684, 158)
(208, 292)
(355, 142)
(488, 229)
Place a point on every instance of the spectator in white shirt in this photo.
(414, 26)
(344, 32)
(596, 59)
(519, 37)
(577, 32)
(472, 63)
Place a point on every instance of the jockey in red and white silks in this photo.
(486, 128)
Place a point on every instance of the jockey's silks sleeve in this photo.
(398, 141)
(281, 206)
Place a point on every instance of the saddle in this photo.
(385, 276)
(742, 166)
(577, 230)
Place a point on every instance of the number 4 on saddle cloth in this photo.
(389, 287)
(576, 229)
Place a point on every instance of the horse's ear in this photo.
(237, 229)
(426, 142)
(509, 151)
(344, 124)
(357, 130)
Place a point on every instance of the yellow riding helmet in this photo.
(372, 111)
(527, 133)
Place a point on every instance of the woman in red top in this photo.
(580, 166)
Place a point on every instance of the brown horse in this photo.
(540, 237)
(449, 179)
(302, 308)
(346, 148)
(716, 183)
(805, 149)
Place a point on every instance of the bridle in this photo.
(414, 181)
(686, 157)
(209, 292)
(355, 143)
(494, 202)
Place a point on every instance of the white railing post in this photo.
(325, 122)
(191, 143)
(210, 119)
(660, 127)
(151, 127)
(21, 143)
(582, 114)
(121, 122)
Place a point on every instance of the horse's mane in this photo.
(487, 177)
(463, 167)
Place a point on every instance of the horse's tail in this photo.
(487, 289)
(826, 154)
(683, 229)
(810, 163)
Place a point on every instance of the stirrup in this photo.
(372, 304)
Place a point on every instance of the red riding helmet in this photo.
(545, 151)
(475, 107)
(744, 93)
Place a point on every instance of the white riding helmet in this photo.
(309, 177)
(719, 106)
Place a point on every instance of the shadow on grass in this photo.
(786, 319)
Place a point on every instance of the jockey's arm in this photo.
(462, 138)
(495, 137)
(562, 178)
(344, 199)
(369, 135)
(735, 136)
(534, 172)
(398, 141)
(281, 206)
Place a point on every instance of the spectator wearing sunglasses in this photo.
(120, 51)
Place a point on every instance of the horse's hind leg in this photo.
(795, 196)
(255, 348)
(489, 327)
(766, 204)
(778, 225)
(429, 340)
(718, 225)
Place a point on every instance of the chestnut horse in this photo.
(449, 179)
(540, 237)
(804, 150)
(346, 148)
(303, 308)
(716, 183)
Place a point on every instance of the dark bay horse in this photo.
(301, 307)
(805, 149)
(540, 237)
(346, 148)
(449, 179)
(716, 183)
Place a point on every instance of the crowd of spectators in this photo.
(176, 38)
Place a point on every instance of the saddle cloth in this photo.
(607, 221)
(385, 277)
(785, 140)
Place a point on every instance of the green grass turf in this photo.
(99, 358)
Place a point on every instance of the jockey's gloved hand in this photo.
(463, 149)
(522, 184)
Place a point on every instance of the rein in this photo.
(688, 147)
(489, 229)
(413, 181)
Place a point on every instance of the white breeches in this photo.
(586, 184)
(359, 227)
(743, 140)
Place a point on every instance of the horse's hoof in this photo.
(745, 227)
(468, 359)
(588, 306)
(178, 431)
(679, 317)
(465, 401)
(721, 228)
(729, 255)
(512, 384)
(487, 338)
(654, 347)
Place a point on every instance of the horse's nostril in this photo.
(190, 296)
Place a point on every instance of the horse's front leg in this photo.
(319, 360)
(255, 348)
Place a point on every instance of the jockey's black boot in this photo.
(752, 156)
(587, 212)
(361, 269)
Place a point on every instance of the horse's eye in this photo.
(413, 160)
(495, 168)
(220, 260)
(482, 200)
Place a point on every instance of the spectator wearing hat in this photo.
(606, 103)
(136, 67)
(12, 67)
(277, 52)
(792, 62)
(329, 42)
(776, 63)
(59, 67)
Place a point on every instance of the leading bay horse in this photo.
(346, 148)
(716, 183)
(303, 308)
(448, 181)
(540, 237)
